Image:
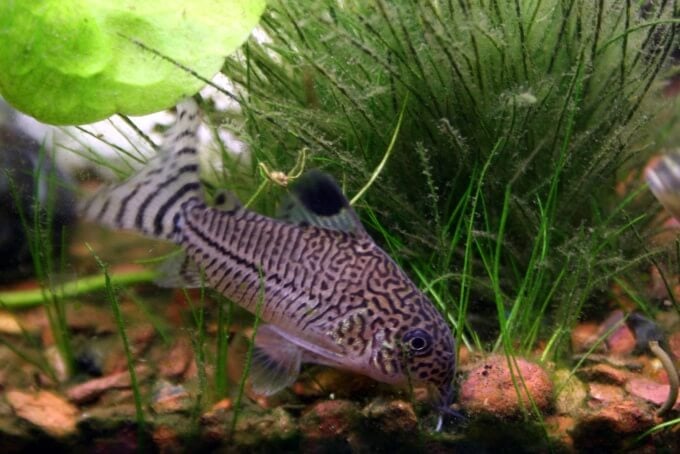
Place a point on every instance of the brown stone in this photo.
(169, 398)
(610, 427)
(33, 320)
(653, 368)
(625, 417)
(177, 361)
(605, 373)
(583, 337)
(323, 381)
(9, 324)
(559, 427)
(464, 355)
(90, 319)
(56, 361)
(657, 287)
(391, 417)
(141, 338)
(217, 412)
(490, 388)
(604, 394)
(674, 343)
(167, 440)
(92, 389)
(253, 430)
(124, 441)
(329, 419)
(52, 413)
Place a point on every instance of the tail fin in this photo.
(150, 201)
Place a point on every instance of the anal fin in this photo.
(276, 362)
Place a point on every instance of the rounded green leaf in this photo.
(79, 61)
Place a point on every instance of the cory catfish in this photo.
(327, 293)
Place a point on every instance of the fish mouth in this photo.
(442, 406)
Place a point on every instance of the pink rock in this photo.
(93, 389)
(650, 391)
(621, 341)
(490, 389)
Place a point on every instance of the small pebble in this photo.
(169, 398)
(48, 411)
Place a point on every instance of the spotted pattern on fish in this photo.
(334, 289)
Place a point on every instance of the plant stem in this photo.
(29, 298)
(115, 306)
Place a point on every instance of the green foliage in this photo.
(40, 227)
(519, 117)
(112, 297)
(77, 61)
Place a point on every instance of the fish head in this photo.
(429, 357)
(421, 351)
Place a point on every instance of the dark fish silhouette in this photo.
(331, 295)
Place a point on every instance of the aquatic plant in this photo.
(112, 299)
(519, 119)
(45, 232)
(67, 62)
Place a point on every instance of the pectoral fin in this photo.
(276, 362)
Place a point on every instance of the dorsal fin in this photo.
(225, 200)
(315, 198)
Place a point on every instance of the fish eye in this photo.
(418, 342)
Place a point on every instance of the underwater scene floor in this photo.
(176, 388)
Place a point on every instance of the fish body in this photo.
(327, 292)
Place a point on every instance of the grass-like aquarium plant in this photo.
(492, 135)
(493, 148)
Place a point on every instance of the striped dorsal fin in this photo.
(150, 202)
(316, 199)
